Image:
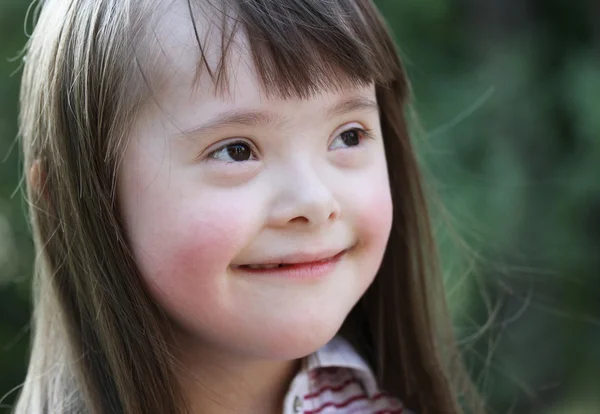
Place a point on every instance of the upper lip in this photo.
(297, 258)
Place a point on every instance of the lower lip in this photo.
(303, 271)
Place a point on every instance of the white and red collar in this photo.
(336, 379)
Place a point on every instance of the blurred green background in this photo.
(507, 94)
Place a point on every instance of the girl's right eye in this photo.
(233, 152)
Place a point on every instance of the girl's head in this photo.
(173, 146)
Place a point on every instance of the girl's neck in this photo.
(215, 382)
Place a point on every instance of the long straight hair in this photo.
(100, 345)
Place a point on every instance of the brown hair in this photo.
(100, 345)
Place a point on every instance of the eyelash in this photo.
(365, 134)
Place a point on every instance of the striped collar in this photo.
(336, 379)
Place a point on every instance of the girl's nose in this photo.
(302, 197)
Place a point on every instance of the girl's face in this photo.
(214, 181)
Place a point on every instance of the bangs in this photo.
(301, 47)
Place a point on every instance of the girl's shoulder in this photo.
(336, 379)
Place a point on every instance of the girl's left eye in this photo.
(349, 138)
(234, 152)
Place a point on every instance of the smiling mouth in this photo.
(281, 265)
(271, 266)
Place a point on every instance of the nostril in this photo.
(299, 219)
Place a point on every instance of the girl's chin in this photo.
(287, 345)
(287, 342)
(297, 347)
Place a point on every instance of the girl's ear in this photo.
(37, 179)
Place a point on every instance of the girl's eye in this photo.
(233, 152)
(349, 138)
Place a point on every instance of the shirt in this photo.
(336, 379)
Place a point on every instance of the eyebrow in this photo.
(237, 118)
(352, 105)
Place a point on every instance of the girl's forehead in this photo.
(192, 60)
(183, 44)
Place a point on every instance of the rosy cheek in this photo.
(190, 251)
(206, 244)
(374, 220)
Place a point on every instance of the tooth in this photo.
(273, 266)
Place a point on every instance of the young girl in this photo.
(228, 213)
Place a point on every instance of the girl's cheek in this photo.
(374, 218)
(189, 251)
(207, 242)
